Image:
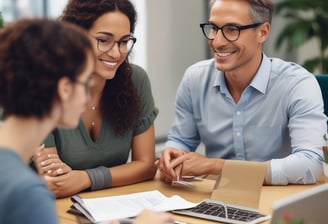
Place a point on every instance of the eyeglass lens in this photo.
(230, 32)
(86, 85)
(125, 46)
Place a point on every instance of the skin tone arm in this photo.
(142, 167)
(64, 184)
(150, 217)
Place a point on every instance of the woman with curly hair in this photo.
(45, 76)
(120, 114)
(44, 69)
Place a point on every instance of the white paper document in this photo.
(129, 205)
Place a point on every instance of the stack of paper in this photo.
(129, 205)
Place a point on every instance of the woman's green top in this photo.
(76, 148)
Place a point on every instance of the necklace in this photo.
(93, 122)
(93, 107)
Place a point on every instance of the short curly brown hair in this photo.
(85, 12)
(35, 54)
(120, 102)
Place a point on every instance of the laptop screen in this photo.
(310, 207)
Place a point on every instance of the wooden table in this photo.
(202, 190)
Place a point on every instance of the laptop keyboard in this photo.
(215, 209)
(220, 212)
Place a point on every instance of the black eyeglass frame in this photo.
(202, 26)
(85, 84)
(119, 42)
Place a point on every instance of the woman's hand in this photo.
(68, 184)
(151, 217)
(47, 162)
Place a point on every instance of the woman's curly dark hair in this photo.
(35, 54)
(120, 102)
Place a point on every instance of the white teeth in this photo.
(224, 54)
(110, 63)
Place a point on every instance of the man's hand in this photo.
(169, 172)
(175, 163)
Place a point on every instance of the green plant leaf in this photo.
(295, 5)
(1, 21)
(308, 19)
(317, 63)
(312, 64)
(321, 27)
(295, 34)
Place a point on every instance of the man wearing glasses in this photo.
(243, 105)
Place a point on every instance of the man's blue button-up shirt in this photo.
(279, 117)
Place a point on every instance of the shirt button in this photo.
(238, 112)
(238, 134)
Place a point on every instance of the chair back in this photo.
(323, 82)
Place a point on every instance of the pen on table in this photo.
(192, 177)
(178, 222)
(178, 170)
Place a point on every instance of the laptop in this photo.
(235, 196)
(223, 212)
(310, 207)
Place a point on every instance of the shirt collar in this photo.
(261, 79)
(259, 82)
